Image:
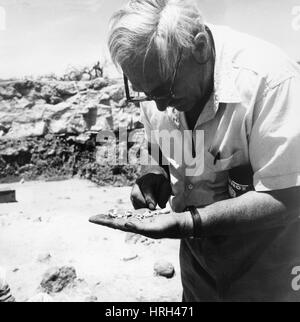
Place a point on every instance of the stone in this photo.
(66, 89)
(19, 130)
(8, 92)
(91, 299)
(58, 278)
(100, 83)
(54, 100)
(164, 269)
(41, 298)
(47, 92)
(82, 138)
(82, 86)
(24, 86)
(85, 77)
(130, 257)
(44, 258)
(51, 153)
(24, 103)
(90, 116)
(57, 112)
(115, 92)
(49, 137)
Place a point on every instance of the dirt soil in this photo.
(51, 218)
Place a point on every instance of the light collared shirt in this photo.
(252, 118)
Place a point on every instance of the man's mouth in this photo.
(178, 104)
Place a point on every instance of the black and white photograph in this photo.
(149, 153)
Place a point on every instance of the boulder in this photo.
(115, 92)
(77, 125)
(58, 278)
(24, 103)
(23, 86)
(55, 100)
(100, 83)
(66, 89)
(32, 115)
(85, 77)
(83, 86)
(20, 155)
(19, 130)
(8, 92)
(57, 112)
(90, 116)
(47, 92)
(82, 138)
(164, 269)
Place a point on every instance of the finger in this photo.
(149, 196)
(102, 220)
(137, 198)
(164, 193)
(136, 228)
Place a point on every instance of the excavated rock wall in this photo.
(48, 129)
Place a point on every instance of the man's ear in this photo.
(201, 50)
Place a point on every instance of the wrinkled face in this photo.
(188, 87)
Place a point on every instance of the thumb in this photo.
(164, 193)
(150, 198)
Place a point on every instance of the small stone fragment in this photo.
(164, 269)
(91, 299)
(41, 298)
(129, 258)
(56, 279)
(44, 258)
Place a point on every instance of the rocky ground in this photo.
(52, 253)
(49, 128)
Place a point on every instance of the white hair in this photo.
(164, 25)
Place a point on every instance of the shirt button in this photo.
(190, 187)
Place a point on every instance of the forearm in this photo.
(250, 212)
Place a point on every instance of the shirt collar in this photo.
(225, 73)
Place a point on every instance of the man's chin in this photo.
(183, 107)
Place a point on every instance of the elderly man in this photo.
(243, 95)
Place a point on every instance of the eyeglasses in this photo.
(139, 98)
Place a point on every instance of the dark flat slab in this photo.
(7, 196)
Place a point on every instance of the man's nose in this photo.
(162, 105)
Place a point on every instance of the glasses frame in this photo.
(146, 98)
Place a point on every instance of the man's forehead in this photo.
(144, 75)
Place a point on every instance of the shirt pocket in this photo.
(222, 164)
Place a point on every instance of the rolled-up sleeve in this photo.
(274, 147)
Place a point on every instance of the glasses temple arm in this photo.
(126, 88)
